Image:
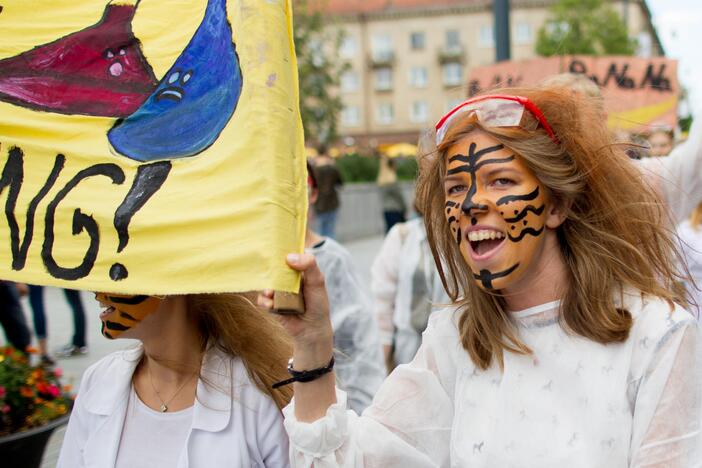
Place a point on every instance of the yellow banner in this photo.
(150, 147)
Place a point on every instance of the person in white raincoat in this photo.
(359, 362)
(566, 346)
(406, 289)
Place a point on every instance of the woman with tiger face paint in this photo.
(196, 391)
(565, 345)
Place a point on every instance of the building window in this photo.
(417, 41)
(381, 47)
(486, 36)
(349, 47)
(419, 77)
(385, 113)
(453, 74)
(453, 40)
(383, 79)
(523, 34)
(350, 116)
(419, 112)
(349, 81)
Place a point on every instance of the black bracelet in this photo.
(305, 375)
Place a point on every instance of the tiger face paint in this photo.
(122, 312)
(496, 209)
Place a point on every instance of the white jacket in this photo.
(405, 251)
(240, 428)
(678, 177)
(359, 359)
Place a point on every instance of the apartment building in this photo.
(410, 59)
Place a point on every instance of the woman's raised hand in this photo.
(312, 331)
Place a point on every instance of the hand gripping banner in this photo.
(150, 146)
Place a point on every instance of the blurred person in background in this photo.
(78, 345)
(661, 141)
(391, 199)
(358, 356)
(326, 207)
(406, 288)
(14, 324)
(677, 178)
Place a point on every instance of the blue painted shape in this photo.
(194, 100)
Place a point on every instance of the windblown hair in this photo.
(234, 324)
(615, 234)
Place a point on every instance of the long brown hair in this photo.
(234, 324)
(615, 234)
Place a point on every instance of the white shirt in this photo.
(573, 403)
(359, 358)
(403, 259)
(145, 428)
(233, 423)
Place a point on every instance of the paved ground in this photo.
(60, 329)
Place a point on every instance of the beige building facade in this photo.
(410, 60)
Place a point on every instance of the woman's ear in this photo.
(556, 213)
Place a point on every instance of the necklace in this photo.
(164, 404)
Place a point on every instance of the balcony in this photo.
(382, 58)
(452, 54)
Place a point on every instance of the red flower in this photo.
(54, 390)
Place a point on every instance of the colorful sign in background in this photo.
(640, 93)
(150, 146)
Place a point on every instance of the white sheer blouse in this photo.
(572, 403)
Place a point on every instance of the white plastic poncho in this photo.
(678, 177)
(572, 403)
(359, 360)
(404, 271)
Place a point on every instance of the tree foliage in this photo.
(317, 46)
(588, 27)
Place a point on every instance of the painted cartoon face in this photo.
(496, 209)
(174, 86)
(124, 312)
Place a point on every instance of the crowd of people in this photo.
(539, 311)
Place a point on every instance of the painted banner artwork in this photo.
(640, 93)
(150, 146)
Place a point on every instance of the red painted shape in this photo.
(99, 71)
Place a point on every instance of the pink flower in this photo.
(2, 392)
(6, 409)
(58, 372)
(53, 390)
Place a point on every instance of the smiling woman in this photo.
(566, 344)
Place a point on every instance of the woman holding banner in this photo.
(566, 345)
(197, 390)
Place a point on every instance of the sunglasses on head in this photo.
(497, 110)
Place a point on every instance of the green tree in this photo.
(588, 27)
(317, 45)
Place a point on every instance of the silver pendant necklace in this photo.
(164, 404)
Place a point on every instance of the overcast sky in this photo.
(679, 26)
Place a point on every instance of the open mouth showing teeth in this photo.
(485, 241)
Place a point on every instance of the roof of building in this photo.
(350, 7)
